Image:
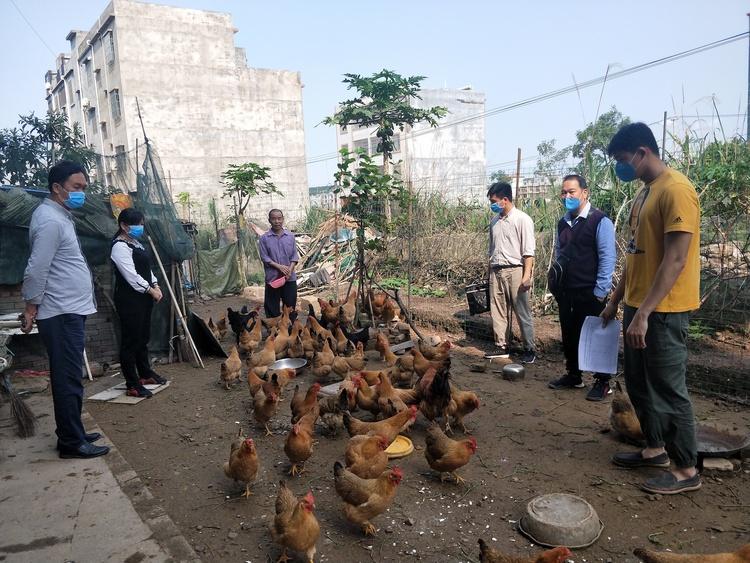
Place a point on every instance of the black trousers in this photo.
(134, 310)
(575, 306)
(63, 336)
(287, 294)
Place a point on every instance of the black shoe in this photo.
(153, 379)
(93, 437)
(636, 459)
(499, 352)
(667, 484)
(567, 381)
(138, 391)
(528, 357)
(599, 391)
(84, 451)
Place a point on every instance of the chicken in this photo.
(742, 555)
(281, 342)
(231, 368)
(328, 312)
(435, 395)
(462, 403)
(438, 353)
(357, 361)
(340, 366)
(238, 319)
(299, 442)
(254, 381)
(221, 326)
(250, 339)
(332, 410)
(296, 347)
(384, 347)
(284, 376)
(361, 336)
(301, 405)
(388, 428)
(364, 499)
(295, 526)
(556, 555)
(318, 329)
(341, 340)
(446, 455)
(308, 343)
(422, 364)
(367, 397)
(623, 419)
(212, 328)
(322, 363)
(365, 456)
(297, 328)
(243, 462)
(389, 402)
(389, 311)
(264, 408)
(377, 300)
(265, 356)
(371, 377)
(348, 309)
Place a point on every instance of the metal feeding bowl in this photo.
(288, 363)
(513, 372)
(561, 519)
(717, 440)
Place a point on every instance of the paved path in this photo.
(76, 510)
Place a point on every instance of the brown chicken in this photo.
(742, 555)
(281, 341)
(365, 456)
(317, 329)
(265, 356)
(301, 405)
(435, 395)
(438, 353)
(462, 404)
(377, 300)
(254, 382)
(340, 366)
(243, 462)
(389, 311)
(446, 455)
(341, 340)
(299, 442)
(295, 526)
(212, 327)
(347, 310)
(367, 397)
(249, 340)
(357, 361)
(332, 410)
(364, 499)
(264, 408)
(389, 401)
(388, 428)
(328, 311)
(231, 368)
(296, 347)
(308, 343)
(623, 419)
(322, 363)
(556, 555)
(422, 364)
(372, 377)
(384, 347)
(221, 326)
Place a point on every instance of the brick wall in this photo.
(101, 339)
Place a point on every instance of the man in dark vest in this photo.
(587, 238)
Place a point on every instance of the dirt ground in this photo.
(531, 440)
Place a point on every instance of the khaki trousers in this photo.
(505, 298)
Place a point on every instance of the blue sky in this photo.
(508, 50)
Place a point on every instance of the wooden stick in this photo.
(176, 304)
(171, 318)
(88, 367)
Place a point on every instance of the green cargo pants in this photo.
(655, 380)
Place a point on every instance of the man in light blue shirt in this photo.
(59, 293)
(585, 260)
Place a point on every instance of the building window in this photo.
(114, 103)
(105, 133)
(109, 47)
(374, 146)
(98, 74)
(360, 144)
(120, 158)
(92, 121)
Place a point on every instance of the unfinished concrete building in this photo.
(449, 160)
(202, 106)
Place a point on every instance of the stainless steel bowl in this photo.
(513, 372)
(289, 363)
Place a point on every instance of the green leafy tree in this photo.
(550, 160)
(245, 181)
(591, 145)
(384, 100)
(28, 151)
(500, 176)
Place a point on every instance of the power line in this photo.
(32, 28)
(558, 92)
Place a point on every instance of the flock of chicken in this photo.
(413, 383)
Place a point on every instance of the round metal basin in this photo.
(289, 363)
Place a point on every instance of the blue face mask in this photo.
(571, 203)
(75, 200)
(626, 171)
(496, 207)
(135, 231)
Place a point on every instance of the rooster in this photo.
(742, 555)
(295, 526)
(489, 555)
(364, 499)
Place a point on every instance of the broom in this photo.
(20, 411)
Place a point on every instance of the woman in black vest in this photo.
(136, 290)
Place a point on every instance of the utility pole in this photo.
(747, 115)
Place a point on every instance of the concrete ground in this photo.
(76, 510)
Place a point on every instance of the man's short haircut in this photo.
(501, 189)
(274, 211)
(578, 178)
(63, 170)
(631, 137)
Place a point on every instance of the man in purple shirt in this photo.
(278, 252)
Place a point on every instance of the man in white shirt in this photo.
(511, 263)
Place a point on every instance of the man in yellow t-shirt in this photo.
(660, 286)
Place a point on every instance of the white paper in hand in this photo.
(598, 346)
